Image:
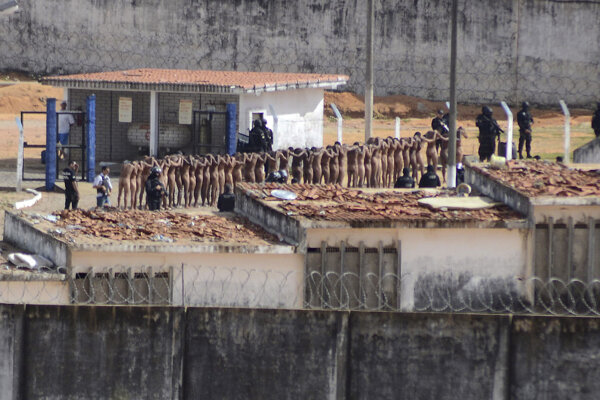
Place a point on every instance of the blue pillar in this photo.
(231, 138)
(50, 143)
(90, 151)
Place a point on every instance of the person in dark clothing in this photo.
(268, 136)
(440, 124)
(256, 137)
(273, 177)
(405, 181)
(226, 200)
(489, 131)
(71, 188)
(460, 174)
(155, 189)
(430, 179)
(596, 121)
(525, 120)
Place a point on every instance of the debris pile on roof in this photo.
(544, 178)
(164, 226)
(335, 203)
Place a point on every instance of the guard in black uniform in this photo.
(596, 121)
(155, 190)
(489, 131)
(440, 124)
(71, 189)
(256, 139)
(226, 201)
(268, 136)
(525, 120)
(405, 181)
(430, 179)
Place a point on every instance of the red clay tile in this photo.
(245, 80)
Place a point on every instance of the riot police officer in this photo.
(155, 189)
(525, 120)
(268, 136)
(440, 124)
(256, 137)
(489, 131)
(596, 121)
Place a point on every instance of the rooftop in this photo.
(335, 203)
(544, 178)
(179, 80)
(84, 227)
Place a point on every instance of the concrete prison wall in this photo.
(156, 353)
(510, 50)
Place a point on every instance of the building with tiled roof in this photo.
(159, 111)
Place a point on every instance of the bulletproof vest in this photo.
(103, 184)
(68, 178)
(404, 182)
(524, 119)
(153, 193)
(226, 202)
(429, 181)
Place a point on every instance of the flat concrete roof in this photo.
(544, 178)
(193, 231)
(526, 184)
(328, 206)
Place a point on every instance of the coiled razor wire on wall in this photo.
(256, 288)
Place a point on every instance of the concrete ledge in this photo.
(565, 201)
(174, 248)
(498, 191)
(588, 153)
(24, 235)
(272, 220)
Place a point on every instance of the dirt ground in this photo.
(416, 115)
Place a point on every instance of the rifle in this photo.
(492, 122)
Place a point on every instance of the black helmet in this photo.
(525, 104)
(486, 110)
(273, 177)
(156, 170)
(264, 122)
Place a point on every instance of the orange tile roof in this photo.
(226, 81)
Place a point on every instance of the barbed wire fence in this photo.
(236, 287)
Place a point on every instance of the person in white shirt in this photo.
(65, 121)
(103, 187)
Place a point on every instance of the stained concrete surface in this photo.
(511, 50)
(270, 354)
(555, 358)
(427, 356)
(100, 352)
(137, 352)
